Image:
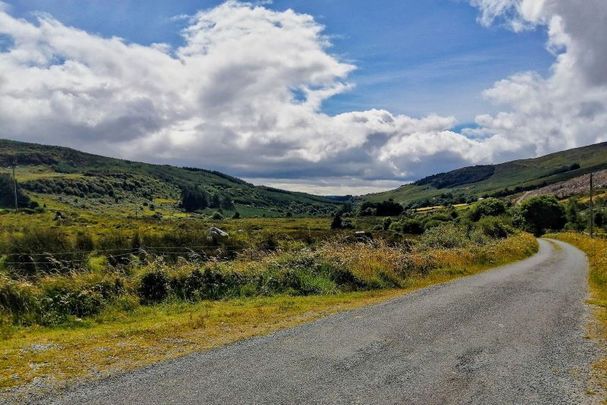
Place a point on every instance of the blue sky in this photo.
(413, 57)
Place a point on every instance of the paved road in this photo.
(511, 335)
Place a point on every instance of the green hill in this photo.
(500, 180)
(62, 176)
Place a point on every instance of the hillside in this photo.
(572, 187)
(505, 179)
(62, 176)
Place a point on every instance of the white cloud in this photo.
(244, 94)
(566, 109)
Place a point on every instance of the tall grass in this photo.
(328, 268)
(596, 250)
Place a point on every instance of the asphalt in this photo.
(515, 334)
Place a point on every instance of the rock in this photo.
(216, 234)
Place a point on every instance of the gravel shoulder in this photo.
(515, 334)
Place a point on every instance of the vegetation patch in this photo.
(596, 250)
(179, 312)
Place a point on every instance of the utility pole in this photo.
(15, 187)
(591, 206)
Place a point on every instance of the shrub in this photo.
(539, 214)
(445, 236)
(210, 283)
(494, 228)
(410, 226)
(489, 207)
(383, 209)
(57, 304)
(336, 223)
(153, 287)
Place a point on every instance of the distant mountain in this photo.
(505, 179)
(58, 174)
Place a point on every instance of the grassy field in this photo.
(117, 340)
(596, 250)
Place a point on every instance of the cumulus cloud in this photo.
(566, 109)
(245, 90)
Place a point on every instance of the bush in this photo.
(210, 283)
(445, 236)
(489, 207)
(382, 209)
(57, 304)
(153, 287)
(494, 228)
(408, 226)
(539, 214)
(337, 222)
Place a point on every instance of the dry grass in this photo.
(596, 250)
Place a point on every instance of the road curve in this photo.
(511, 335)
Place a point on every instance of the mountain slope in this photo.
(78, 178)
(499, 180)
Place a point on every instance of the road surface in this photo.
(511, 335)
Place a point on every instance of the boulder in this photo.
(215, 234)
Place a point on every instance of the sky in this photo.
(323, 96)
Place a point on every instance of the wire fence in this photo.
(120, 252)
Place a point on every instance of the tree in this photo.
(489, 207)
(382, 209)
(194, 199)
(539, 214)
